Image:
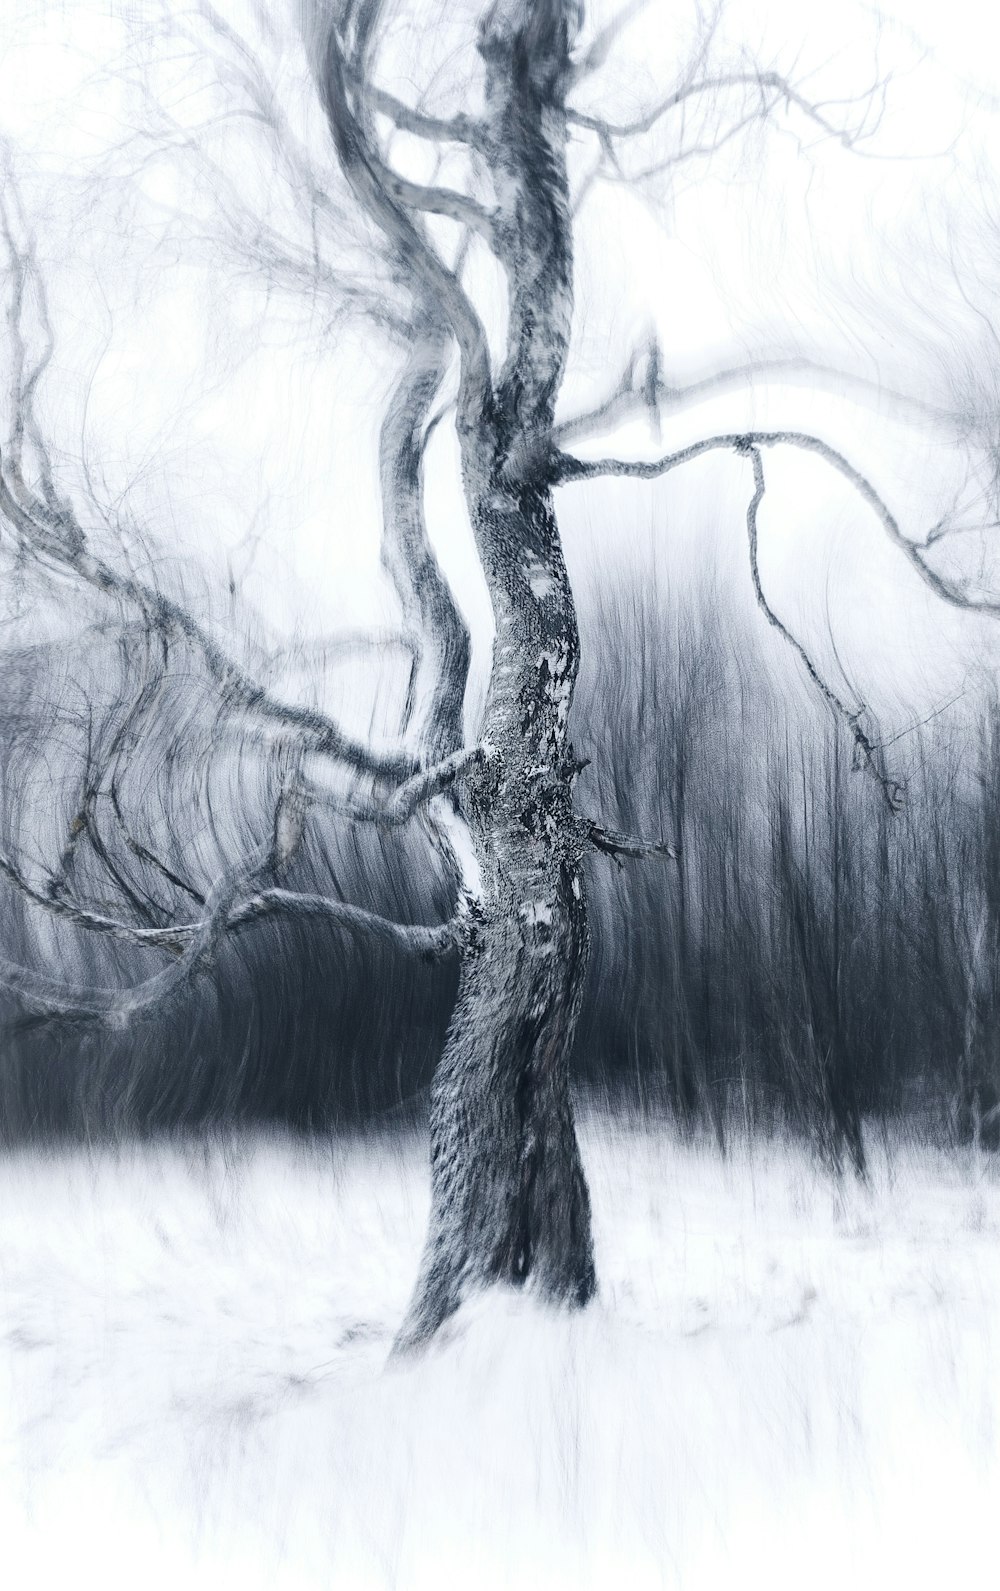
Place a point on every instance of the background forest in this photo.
(813, 960)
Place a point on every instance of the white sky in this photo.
(240, 442)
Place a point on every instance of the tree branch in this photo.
(867, 754)
(567, 469)
(116, 1006)
(404, 802)
(315, 257)
(597, 52)
(144, 855)
(196, 944)
(51, 528)
(445, 202)
(431, 943)
(372, 184)
(617, 845)
(407, 554)
(459, 129)
(172, 939)
(60, 538)
(766, 82)
(642, 387)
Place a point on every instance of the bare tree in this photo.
(509, 1197)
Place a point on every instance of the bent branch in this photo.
(425, 598)
(405, 801)
(567, 469)
(348, 108)
(196, 943)
(118, 1007)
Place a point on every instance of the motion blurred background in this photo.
(813, 961)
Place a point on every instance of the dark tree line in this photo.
(812, 961)
(820, 959)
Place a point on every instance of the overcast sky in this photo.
(235, 419)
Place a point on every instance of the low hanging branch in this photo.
(196, 944)
(118, 1007)
(50, 529)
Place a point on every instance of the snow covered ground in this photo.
(785, 1382)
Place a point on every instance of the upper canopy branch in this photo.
(567, 469)
(348, 106)
(643, 388)
(772, 87)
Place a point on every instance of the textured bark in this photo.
(509, 1196)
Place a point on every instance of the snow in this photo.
(786, 1381)
(540, 580)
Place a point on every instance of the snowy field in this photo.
(785, 1382)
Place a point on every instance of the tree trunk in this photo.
(509, 1197)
